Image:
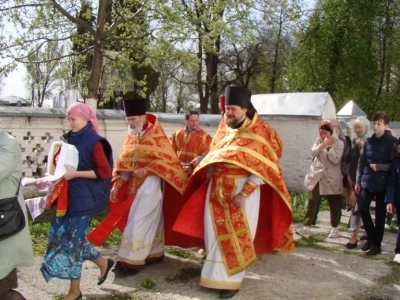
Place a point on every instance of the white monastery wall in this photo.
(36, 133)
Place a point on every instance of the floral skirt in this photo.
(68, 248)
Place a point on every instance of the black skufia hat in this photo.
(134, 107)
(235, 95)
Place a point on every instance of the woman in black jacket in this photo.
(362, 130)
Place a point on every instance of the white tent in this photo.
(351, 110)
(319, 105)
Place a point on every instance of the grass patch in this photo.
(184, 275)
(39, 230)
(312, 242)
(299, 206)
(148, 284)
(392, 278)
(182, 253)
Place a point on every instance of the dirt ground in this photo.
(323, 270)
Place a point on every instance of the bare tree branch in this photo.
(44, 39)
(20, 60)
(22, 6)
(72, 18)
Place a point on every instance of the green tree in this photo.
(199, 27)
(81, 64)
(175, 93)
(40, 22)
(260, 61)
(144, 78)
(43, 72)
(347, 48)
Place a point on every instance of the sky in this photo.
(14, 84)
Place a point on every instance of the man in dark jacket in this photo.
(372, 176)
(393, 197)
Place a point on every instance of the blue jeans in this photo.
(374, 231)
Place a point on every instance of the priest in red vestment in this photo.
(191, 142)
(243, 207)
(147, 170)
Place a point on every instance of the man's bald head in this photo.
(335, 125)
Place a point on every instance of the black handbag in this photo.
(12, 218)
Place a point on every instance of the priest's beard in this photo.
(232, 121)
(134, 130)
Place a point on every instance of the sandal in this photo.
(349, 207)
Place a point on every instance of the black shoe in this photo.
(374, 250)
(351, 246)
(366, 246)
(124, 272)
(110, 263)
(225, 294)
(79, 297)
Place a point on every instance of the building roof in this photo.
(295, 104)
(351, 109)
(8, 100)
(7, 111)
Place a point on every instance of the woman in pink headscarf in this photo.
(88, 192)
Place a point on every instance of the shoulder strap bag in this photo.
(12, 218)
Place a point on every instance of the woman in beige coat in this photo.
(324, 178)
(15, 251)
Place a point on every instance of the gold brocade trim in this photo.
(130, 261)
(237, 176)
(223, 285)
(252, 136)
(233, 233)
(234, 171)
(140, 262)
(189, 146)
(188, 153)
(154, 148)
(233, 132)
(267, 181)
(257, 155)
(154, 255)
(287, 243)
(260, 139)
(154, 152)
(242, 147)
(248, 188)
(139, 246)
(282, 195)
